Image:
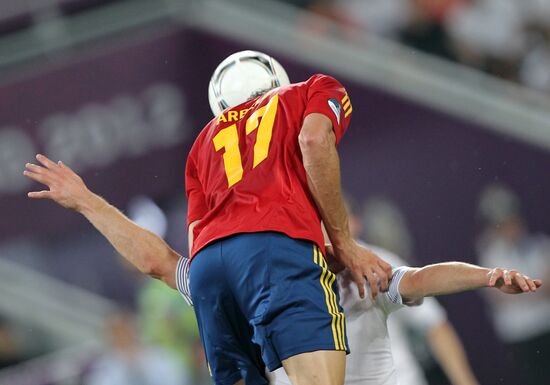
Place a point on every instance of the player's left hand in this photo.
(364, 265)
(512, 281)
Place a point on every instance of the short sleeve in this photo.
(196, 201)
(392, 299)
(325, 95)
(393, 291)
(182, 279)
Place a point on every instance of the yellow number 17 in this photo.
(228, 139)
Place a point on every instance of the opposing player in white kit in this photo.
(370, 361)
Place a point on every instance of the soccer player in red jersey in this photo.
(260, 178)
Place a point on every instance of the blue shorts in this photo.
(261, 298)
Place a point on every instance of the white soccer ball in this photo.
(243, 76)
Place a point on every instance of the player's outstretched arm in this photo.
(455, 277)
(145, 250)
(322, 165)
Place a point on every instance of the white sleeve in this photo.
(392, 300)
(393, 291)
(182, 279)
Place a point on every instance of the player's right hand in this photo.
(363, 263)
(64, 186)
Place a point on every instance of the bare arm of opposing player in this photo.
(455, 277)
(145, 250)
(322, 165)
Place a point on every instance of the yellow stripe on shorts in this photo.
(327, 279)
(340, 315)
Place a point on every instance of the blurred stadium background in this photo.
(448, 153)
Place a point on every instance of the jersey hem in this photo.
(298, 235)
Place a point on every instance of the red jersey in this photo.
(245, 173)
